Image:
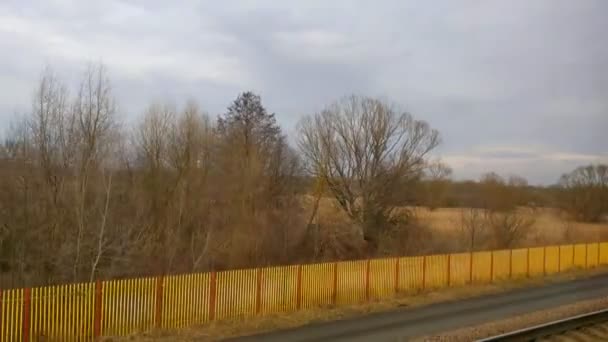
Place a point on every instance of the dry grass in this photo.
(219, 330)
(442, 229)
(549, 226)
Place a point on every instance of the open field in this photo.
(444, 227)
(550, 227)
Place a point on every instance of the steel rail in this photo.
(552, 328)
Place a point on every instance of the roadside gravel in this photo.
(519, 322)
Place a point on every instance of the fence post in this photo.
(559, 259)
(449, 268)
(335, 292)
(367, 290)
(0, 311)
(212, 294)
(160, 280)
(573, 249)
(510, 263)
(396, 276)
(27, 302)
(299, 288)
(528, 263)
(544, 260)
(98, 312)
(491, 267)
(258, 292)
(424, 272)
(598, 254)
(471, 267)
(586, 255)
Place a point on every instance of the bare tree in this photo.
(52, 128)
(364, 149)
(101, 235)
(584, 192)
(152, 136)
(494, 192)
(313, 225)
(519, 192)
(436, 184)
(53, 136)
(498, 194)
(156, 182)
(68, 141)
(508, 223)
(18, 189)
(517, 181)
(190, 148)
(95, 109)
(509, 227)
(473, 227)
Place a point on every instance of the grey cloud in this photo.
(482, 72)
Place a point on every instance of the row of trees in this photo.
(581, 193)
(82, 196)
(499, 212)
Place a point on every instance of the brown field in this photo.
(443, 226)
(550, 227)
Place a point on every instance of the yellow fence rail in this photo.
(121, 307)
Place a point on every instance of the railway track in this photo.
(587, 327)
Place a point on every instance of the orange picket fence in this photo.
(122, 307)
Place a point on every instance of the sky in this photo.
(517, 87)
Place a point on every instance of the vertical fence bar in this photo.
(544, 260)
(510, 264)
(396, 277)
(598, 256)
(491, 267)
(159, 300)
(335, 285)
(27, 302)
(367, 285)
(424, 272)
(449, 268)
(471, 267)
(559, 259)
(528, 263)
(573, 249)
(212, 295)
(586, 255)
(97, 313)
(258, 292)
(299, 288)
(1, 301)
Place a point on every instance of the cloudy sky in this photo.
(519, 86)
